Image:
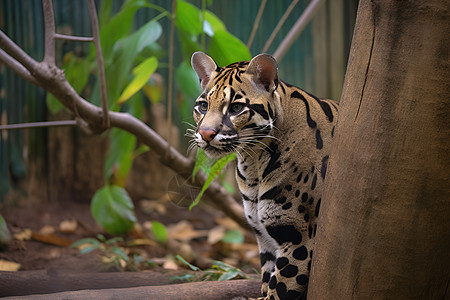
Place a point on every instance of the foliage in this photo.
(219, 271)
(113, 209)
(130, 59)
(111, 251)
(5, 235)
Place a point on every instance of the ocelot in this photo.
(281, 135)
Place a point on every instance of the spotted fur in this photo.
(282, 137)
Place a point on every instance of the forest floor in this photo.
(42, 237)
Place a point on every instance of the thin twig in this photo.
(170, 79)
(297, 29)
(49, 21)
(73, 38)
(279, 25)
(256, 24)
(38, 125)
(100, 65)
(15, 65)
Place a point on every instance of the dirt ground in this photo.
(195, 235)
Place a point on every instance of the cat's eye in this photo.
(236, 108)
(203, 106)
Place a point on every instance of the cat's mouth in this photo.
(215, 152)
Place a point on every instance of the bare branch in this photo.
(49, 21)
(39, 124)
(17, 67)
(297, 29)
(256, 24)
(73, 38)
(100, 65)
(279, 25)
(17, 53)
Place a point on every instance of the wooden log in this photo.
(41, 282)
(207, 290)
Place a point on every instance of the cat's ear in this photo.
(264, 69)
(204, 66)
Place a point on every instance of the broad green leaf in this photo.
(192, 267)
(113, 209)
(225, 48)
(215, 171)
(126, 51)
(188, 18)
(160, 232)
(212, 23)
(118, 26)
(142, 73)
(233, 236)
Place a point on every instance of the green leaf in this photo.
(232, 274)
(113, 209)
(192, 267)
(142, 73)
(215, 171)
(187, 81)
(200, 159)
(160, 232)
(91, 241)
(184, 278)
(212, 24)
(53, 104)
(5, 235)
(188, 18)
(233, 236)
(120, 253)
(225, 48)
(120, 156)
(88, 249)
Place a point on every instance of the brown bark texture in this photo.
(96, 286)
(384, 222)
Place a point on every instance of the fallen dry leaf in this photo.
(8, 265)
(170, 265)
(228, 223)
(47, 229)
(24, 235)
(216, 234)
(51, 239)
(184, 231)
(68, 226)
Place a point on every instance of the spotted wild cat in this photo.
(282, 138)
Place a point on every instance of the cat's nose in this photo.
(207, 134)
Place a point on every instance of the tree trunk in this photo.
(384, 223)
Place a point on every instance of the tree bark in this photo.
(80, 288)
(384, 223)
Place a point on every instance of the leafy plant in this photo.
(130, 59)
(219, 271)
(111, 251)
